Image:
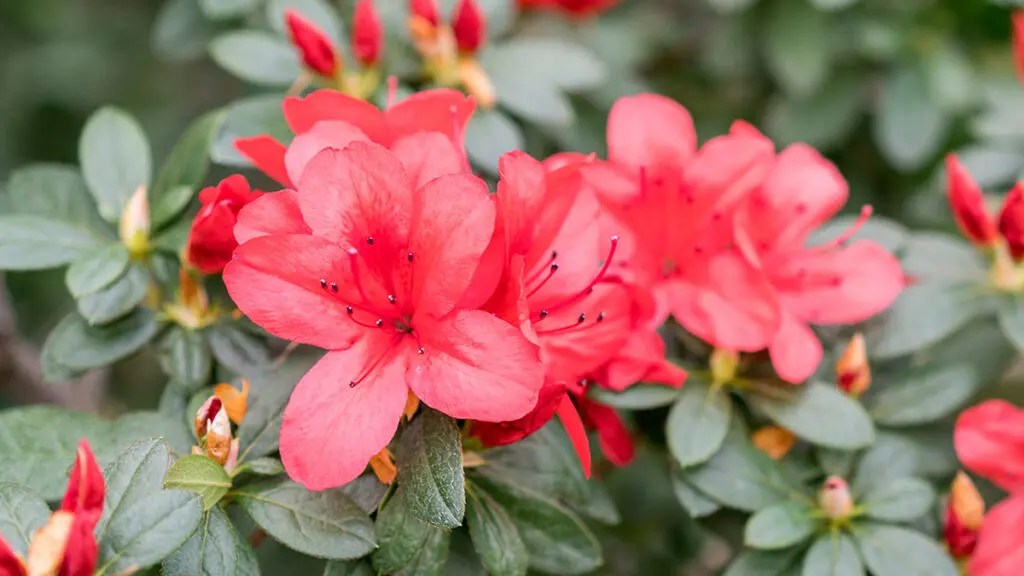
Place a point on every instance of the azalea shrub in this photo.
(476, 287)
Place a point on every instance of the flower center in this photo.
(539, 279)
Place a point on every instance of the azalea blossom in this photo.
(989, 440)
(381, 279)
(66, 544)
(211, 239)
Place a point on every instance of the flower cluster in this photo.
(505, 309)
(325, 61)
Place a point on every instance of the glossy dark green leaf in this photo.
(186, 358)
(200, 474)
(494, 535)
(76, 345)
(260, 467)
(260, 431)
(832, 555)
(894, 551)
(820, 414)
(697, 423)
(215, 549)
(185, 168)
(97, 270)
(136, 473)
(429, 458)
(780, 526)
(922, 315)
(489, 134)
(406, 544)
(150, 530)
(22, 512)
(37, 243)
(327, 524)
(901, 500)
(638, 397)
(249, 117)
(115, 159)
(696, 503)
(117, 299)
(910, 127)
(923, 396)
(764, 563)
(797, 47)
(366, 491)
(240, 351)
(258, 57)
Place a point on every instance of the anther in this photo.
(323, 283)
(391, 298)
(409, 256)
(600, 317)
(554, 254)
(582, 318)
(543, 313)
(352, 384)
(369, 240)
(349, 309)
(379, 323)
(593, 283)
(334, 286)
(420, 351)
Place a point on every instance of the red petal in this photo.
(266, 154)
(336, 134)
(641, 359)
(989, 440)
(577, 433)
(795, 350)
(273, 213)
(612, 434)
(650, 130)
(81, 552)
(10, 564)
(275, 281)
(85, 486)
(476, 367)
(330, 429)
(427, 155)
(302, 113)
(521, 191)
(501, 433)
(999, 551)
(440, 110)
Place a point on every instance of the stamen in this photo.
(353, 256)
(420, 351)
(590, 287)
(843, 238)
(323, 283)
(551, 272)
(334, 287)
(379, 322)
(536, 275)
(574, 326)
(409, 256)
(369, 370)
(351, 312)
(600, 317)
(369, 240)
(392, 90)
(391, 298)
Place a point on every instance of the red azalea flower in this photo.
(572, 8)
(502, 433)
(315, 48)
(677, 203)
(367, 33)
(968, 205)
(379, 283)
(66, 545)
(425, 130)
(989, 440)
(827, 284)
(212, 239)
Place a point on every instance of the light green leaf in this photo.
(832, 555)
(951, 78)
(830, 5)
(258, 57)
(697, 423)
(366, 491)
(563, 64)
(922, 315)
(902, 500)
(942, 258)
(429, 458)
(115, 159)
(216, 549)
(780, 526)
(185, 168)
(97, 269)
(117, 299)
(823, 119)
(37, 243)
(764, 563)
(249, 117)
(835, 462)
(225, 9)
(181, 32)
(22, 512)
(534, 97)
(797, 46)
(637, 397)
(894, 551)
(697, 504)
(407, 545)
(151, 530)
(325, 524)
(350, 568)
(820, 414)
(78, 346)
(887, 233)
(494, 535)
(888, 460)
(185, 357)
(731, 6)
(489, 134)
(55, 191)
(923, 396)
(1011, 320)
(267, 467)
(910, 127)
(202, 475)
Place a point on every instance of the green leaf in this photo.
(637, 397)
(185, 167)
(832, 555)
(225, 9)
(407, 545)
(366, 491)
(888, 234)
(941, 258)
(36, 243)
(830, 5)
(258, 57)
(57, 192)
(697, 423)
(151, 530)
(534, 97)
(216, 549)
(489, 134)
(780, 526)
(78, 346)
(910, 127)
(697, 504)
(494, 535)
(951, 78)
(97, 270)
(265, 467)
(923, 396)
(350, 568)
(260, 431)
(1011, 320)
(922, 315)
(327, 524)
(823, 119)
(181, 32)
(249, 117)
(134, 475)
(797, 47)
(888, 460)
(820, 414)
(731, 6)
(835, 462)
(429, 458)
(185, 357)
(115, 159)
(116, 300)
(556, 540)
(763, 563)
(902, 500)
(561, 64)
(240, 351)
(202, 475)
(894, 551)
(22, 512)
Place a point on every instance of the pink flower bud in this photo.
(835, 499)
(469, 26)
(367, 33)
(425, 9)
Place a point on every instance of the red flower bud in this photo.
(218, 437)
(10, 563)
(425, 9)
(212, 238)
(965, 511)
(853, 373)
(469, 26)
(315, 48)
(367, 33)
(968, 204)
(1018, 42)
(207, 412)
(1011, 221)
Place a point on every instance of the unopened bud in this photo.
(965, 513)
(367, 33)
(135, 223)
(1011, 221)
(477, 82)
(469, 26)
(235, 401)
(834, 498)
(853, 373)
(968, 205)
(232, 461)
(383, 465)
(207, 412)
(46, 551)
(774, 441)
(218, 437)
(425, 10)
(723, 364)
(315, 48)
(191, 295)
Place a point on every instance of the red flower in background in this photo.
(968, 205)
(379, 283)
(1011, 221)
(989, 440)
(827, 284)
(572, 8)
(315, 49)
(424, 130)
(469, 26)
(212, 238)
(367, 33)
(66, 545)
